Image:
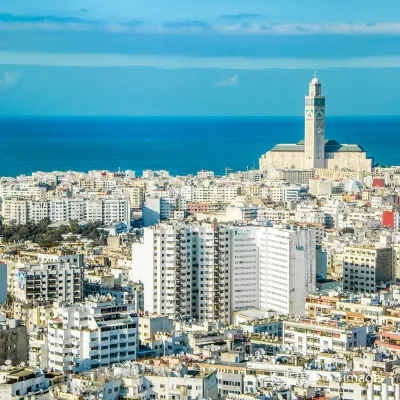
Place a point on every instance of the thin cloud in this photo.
(101, 60)
(232, 81)
(15, 19)
(310, 29)
(9, 79)
(235, 24)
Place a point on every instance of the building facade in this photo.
(209, 271)
(94, 334)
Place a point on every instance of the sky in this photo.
(198, 58)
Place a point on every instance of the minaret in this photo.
(314, 126)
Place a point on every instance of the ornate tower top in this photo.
(314, 89)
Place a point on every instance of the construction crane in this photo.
(227, 169)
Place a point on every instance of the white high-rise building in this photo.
(95, 334)
(287, 269)
(244, 267)
(209, 271)
(184, 269)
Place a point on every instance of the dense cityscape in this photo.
(272, 283)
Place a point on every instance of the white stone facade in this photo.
(315, 151)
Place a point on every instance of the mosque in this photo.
(315, 151)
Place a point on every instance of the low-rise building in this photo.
(310, 336)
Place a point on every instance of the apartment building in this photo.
(19, 382)
(184, 269)
(15, 211)
(209, 271)
(130, 293)
(34, 314)
(364, 267)
(23, 190)
(309, 213)
(55, 281)
(332, 208)
(93, 334)
(106, 210)
(150, 324)
(272, 193)
(140, 381)
(311, 336)
(287, 268)
(296, 176)
(136, 196)
(193, 208)
(275, 215)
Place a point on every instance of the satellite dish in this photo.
(22, 364)
(7, 362)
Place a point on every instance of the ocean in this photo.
(181, 145)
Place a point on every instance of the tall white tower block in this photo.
(314, 126)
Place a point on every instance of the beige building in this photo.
(34, 314)
(364, 267)
(315, 335)
(315, 151)
(136, 196)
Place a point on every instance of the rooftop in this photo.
(331, 146)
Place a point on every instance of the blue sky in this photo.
(209, 57)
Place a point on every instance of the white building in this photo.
(107, 210)
(309, 213)
(52, 281)
(287, 268)
(142, 382)
(205, 174)
(94, 334)
(312, 335)
(18, 382)
(290, 193)
(314, 151)
(332, 209)
(208, 272)
(184, 269)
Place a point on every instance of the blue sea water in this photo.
(178, 144)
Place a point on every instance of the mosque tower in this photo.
(314, 126)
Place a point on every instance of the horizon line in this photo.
(20, 116)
